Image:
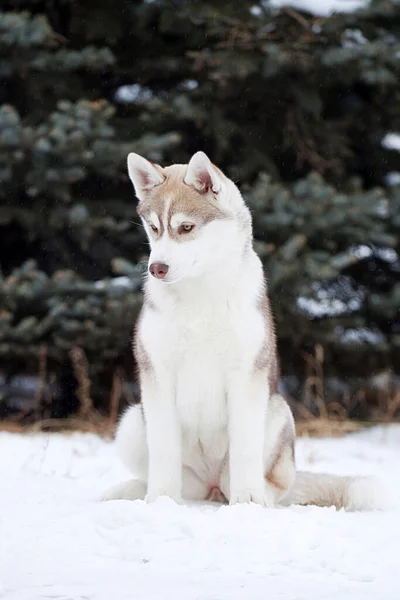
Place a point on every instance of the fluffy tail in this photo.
(350, 493)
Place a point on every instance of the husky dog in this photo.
(211, 424)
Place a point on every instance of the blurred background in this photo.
(297, 101)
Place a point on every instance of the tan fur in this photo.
(267, 358)
(215, 495)
(281, 472)
(142, 358)
(182, 198)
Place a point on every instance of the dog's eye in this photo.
(154, 228)
(186, 227)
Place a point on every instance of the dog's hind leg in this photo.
(280, 470)
(279, 466)
(279, 460)
(281, 475)
(134, 489)
(131, 446)
(130, 441)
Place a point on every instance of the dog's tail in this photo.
(350, 493)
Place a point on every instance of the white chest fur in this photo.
(202, 340)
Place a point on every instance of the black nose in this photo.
(158, 270)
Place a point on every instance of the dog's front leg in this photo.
(247, 405)
(163, 438)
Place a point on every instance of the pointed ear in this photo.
(202, 174)
(143, 174)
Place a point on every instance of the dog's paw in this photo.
(134, 489)
(263, 497)
(154, 494)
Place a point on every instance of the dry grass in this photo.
(320, 427)
(81, 370)
(100, 427)
(88, 419)
(332, 420)
(380, 394)
(317, 427)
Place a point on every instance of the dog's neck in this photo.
(234, 278)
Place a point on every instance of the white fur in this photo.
(143, 174)
(154, 220)
(200, 168)
(208, 419)
(186, 261)
(203, 340)
(179, 218)
(350, 493)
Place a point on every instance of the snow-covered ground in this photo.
(57, 541)
(323, 8)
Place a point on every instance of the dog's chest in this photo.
(218, 339)
(201, 373)
(203, 347)
(205, 350)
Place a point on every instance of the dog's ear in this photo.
(143, 174)
(202, 175)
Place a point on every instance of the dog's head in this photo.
(192, 215)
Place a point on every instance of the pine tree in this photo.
(295, 107)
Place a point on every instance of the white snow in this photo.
(255, 10)
(353, 37)
(329, 307)
(326, 302)
(362, 251)
(126, 94)
(188, 85)
(391, 141)
(360, 335)
(322, 8)
(121, 281)
(392, 178)
(57, 541)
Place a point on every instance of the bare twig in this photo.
(297, 17)
(41, 390)
(115, 400)
(81, 370)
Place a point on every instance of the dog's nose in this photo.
(158, 270)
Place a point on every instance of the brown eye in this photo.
(154, 228)
(186, 227)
